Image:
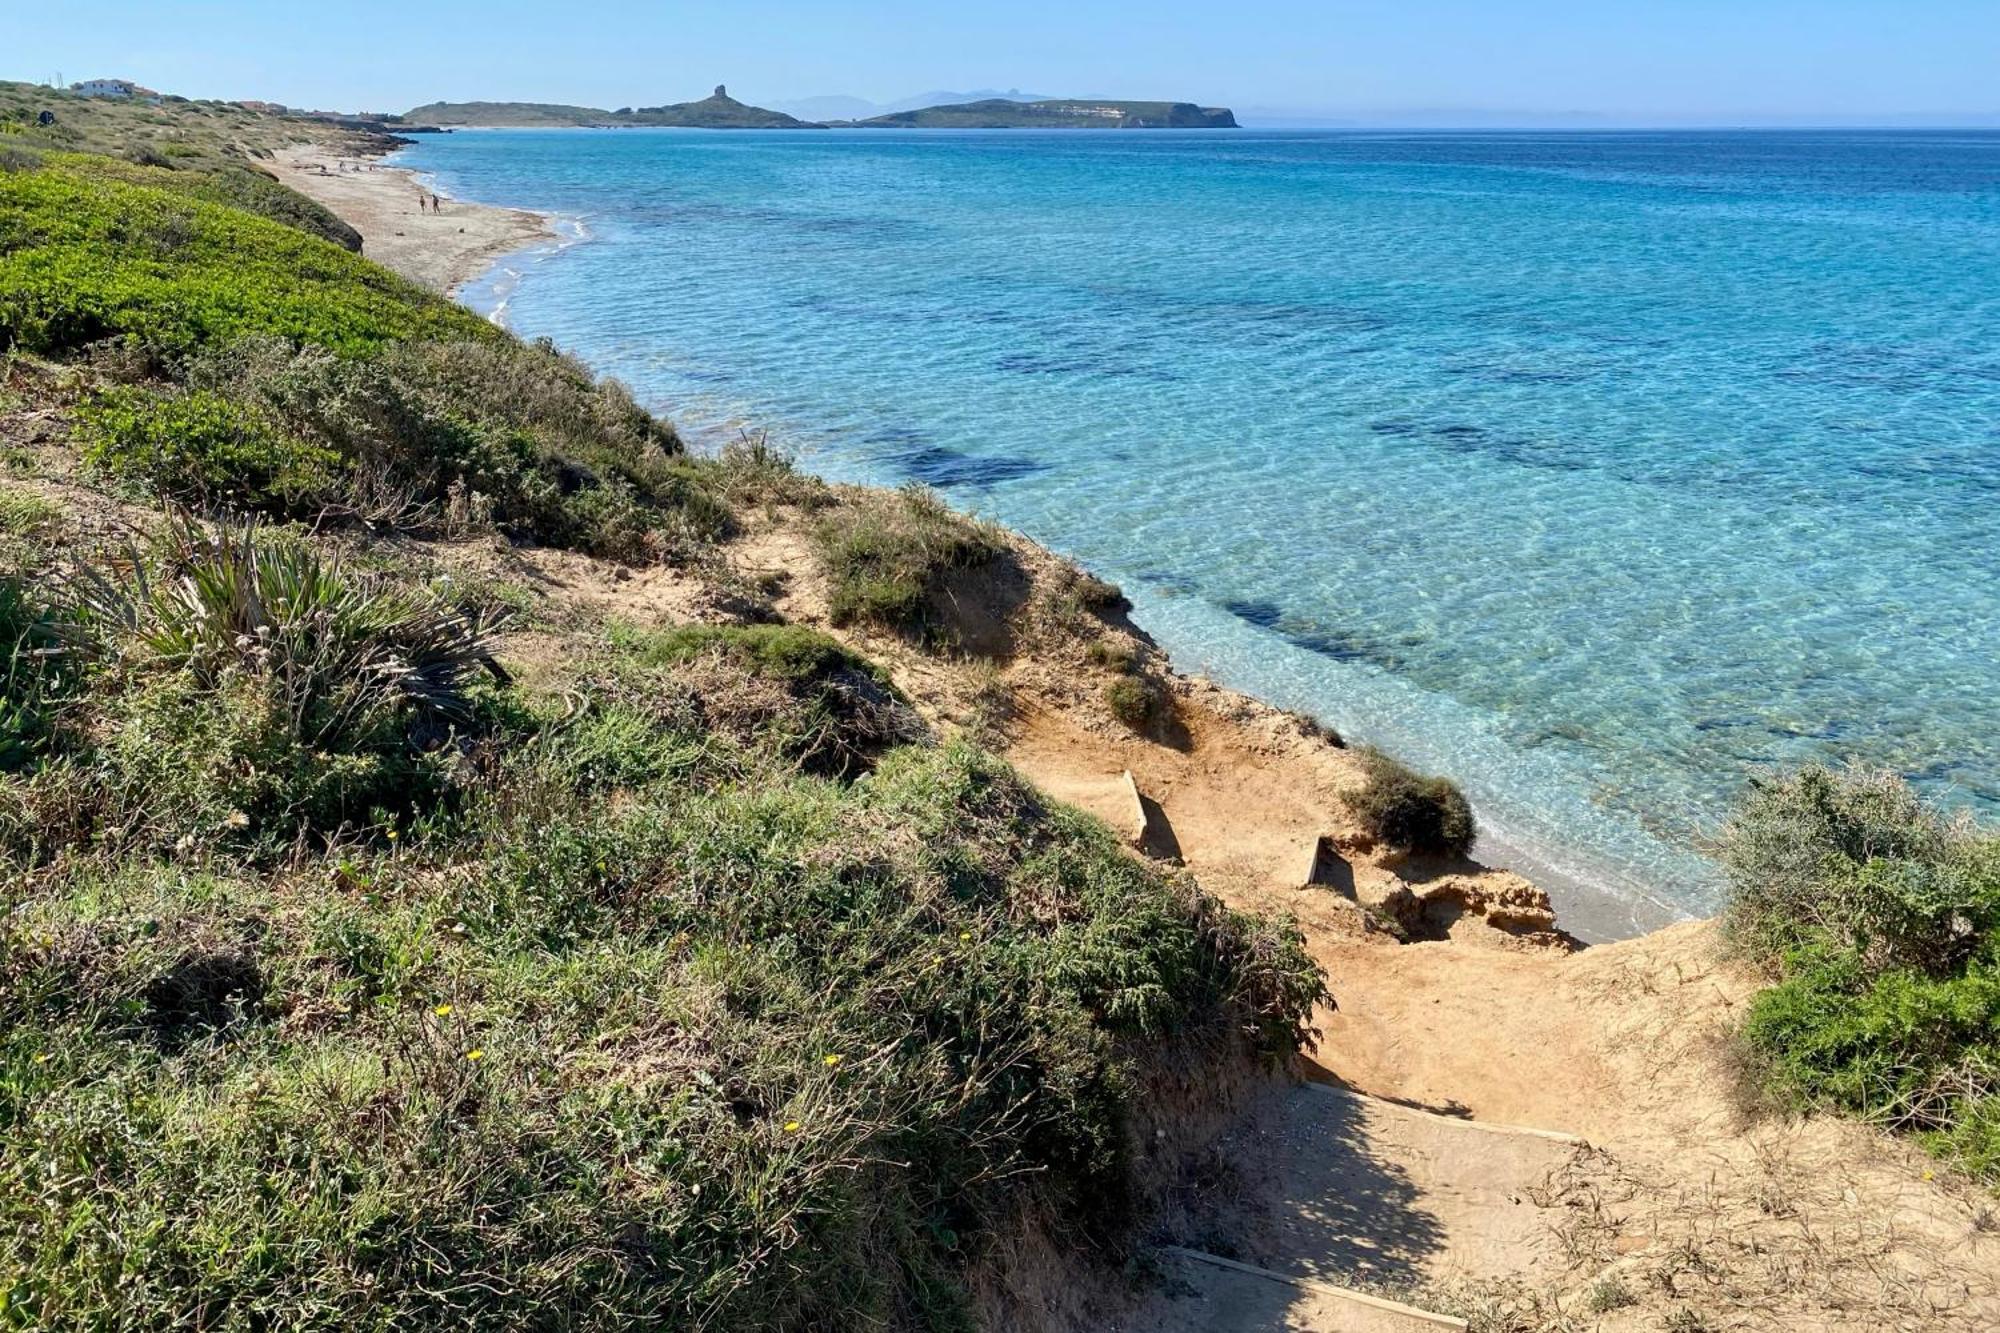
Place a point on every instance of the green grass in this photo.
(788, 689)
(1880, 917)
(887, 557)
(1409, 812)
(25, 514)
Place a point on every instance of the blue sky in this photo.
(1631, 60)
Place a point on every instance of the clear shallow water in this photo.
(1602, 472)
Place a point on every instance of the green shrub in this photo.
(786, 652)
(232, 184)
(201, 764)
(86, 258)
(1133, 701)
(199, 446)
(1881, 917)
(888, 556)
(1859, 857)
(1400, 808)
(550, 454)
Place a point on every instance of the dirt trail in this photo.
(1662, 1201)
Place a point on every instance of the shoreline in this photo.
(469, 250)
(443, 251)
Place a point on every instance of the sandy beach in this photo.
(442, 250)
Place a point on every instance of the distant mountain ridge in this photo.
(1013, 110)
(718, 111)
(1059, 113)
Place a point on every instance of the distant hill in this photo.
(452, 115)
(840, 106)
(924, 101)
(719, 111)
(999, 113)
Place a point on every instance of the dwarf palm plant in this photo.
(340, 651)
(35, 671)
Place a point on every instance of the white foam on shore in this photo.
(492, 292)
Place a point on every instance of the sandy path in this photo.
(440, 250)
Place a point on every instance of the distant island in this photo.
(723, 112)
(719, 111)
(1001, 113)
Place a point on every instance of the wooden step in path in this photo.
(1217, 1295)
(1330, 1191)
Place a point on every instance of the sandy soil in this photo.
(442, 250)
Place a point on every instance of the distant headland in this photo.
(719, 111)
(723, 112)
(1001, 113)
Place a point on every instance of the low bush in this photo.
(787, 688)
(1134, 701)
(200, 447)
(529, 440)
(887, 557)
(1880, 917)
(232, 184)
(775, 1054)
(1401, 808)
(1854, 855)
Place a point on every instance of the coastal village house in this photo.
(119, 88)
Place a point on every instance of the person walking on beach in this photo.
(421, 205)
(434, 205)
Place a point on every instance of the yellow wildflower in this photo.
(475, 1054)
(42, 1059)
(442, 1010)
(830, 1061)
(793, 1127)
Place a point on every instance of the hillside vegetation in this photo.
(354, 974)
(1880, 916)
(207, 150)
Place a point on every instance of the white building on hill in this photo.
(118, 88)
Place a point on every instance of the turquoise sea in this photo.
(1603, 472)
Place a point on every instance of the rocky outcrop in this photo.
(1496, 907)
